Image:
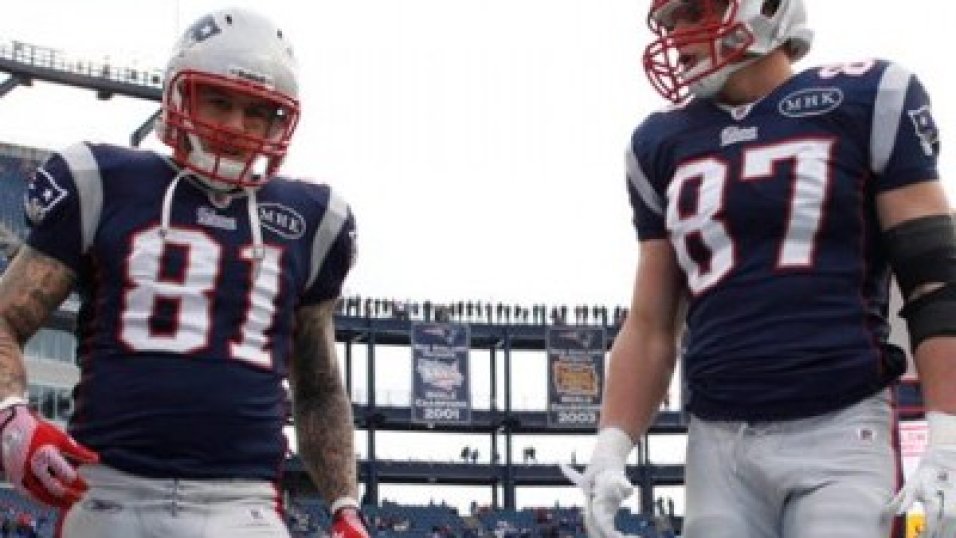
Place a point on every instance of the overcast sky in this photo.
(479, 142)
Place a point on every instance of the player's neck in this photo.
(758, 79)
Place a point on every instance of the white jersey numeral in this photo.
(253, 345)
(702, 223)
(853, 69)
(810, 185)
(190, 294)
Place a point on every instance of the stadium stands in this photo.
(13, 172)
(16, 165)
(391, 520)
(307, 517)
(22, 517)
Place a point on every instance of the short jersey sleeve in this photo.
(57, 205)
(904, 141)
(647, 204)
(333, 252)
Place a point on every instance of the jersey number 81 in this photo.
(190, 294)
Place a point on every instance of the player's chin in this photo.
(232, 154)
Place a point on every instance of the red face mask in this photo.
(695, 38)
(242, 153)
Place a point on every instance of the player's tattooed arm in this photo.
(32, 287)
(321, 407)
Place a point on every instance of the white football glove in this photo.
(604, 482)
(934, 482)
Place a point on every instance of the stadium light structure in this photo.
(25, 62)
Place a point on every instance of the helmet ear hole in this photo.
(770, 8)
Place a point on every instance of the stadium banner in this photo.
(575, 376)
(441, 388)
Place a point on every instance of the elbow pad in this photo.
(922, 252)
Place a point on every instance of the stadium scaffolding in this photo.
(25, 62)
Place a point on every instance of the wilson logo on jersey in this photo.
(42, 195)
(810, 102)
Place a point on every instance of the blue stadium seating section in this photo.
(392, 520)
(14, 173)
(14, 508)
(305, 516)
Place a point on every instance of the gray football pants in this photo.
(120, 505)
(822, 477)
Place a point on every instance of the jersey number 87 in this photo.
(709, 175)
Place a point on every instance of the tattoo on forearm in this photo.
(322, 410)
(33, 286)
(13, 376)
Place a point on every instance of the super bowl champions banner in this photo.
(575, 375)
(441, 390)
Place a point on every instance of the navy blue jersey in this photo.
(771, 211)
(184, 337)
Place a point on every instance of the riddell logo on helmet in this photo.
(251, 76)
(810, 102)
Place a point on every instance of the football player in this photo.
(773, 205)
(205, 279)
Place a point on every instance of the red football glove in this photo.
(347, 520)
(36, 454)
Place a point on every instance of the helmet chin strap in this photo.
(252, 205)
(204, 161)
(258, 250)
(167, 207)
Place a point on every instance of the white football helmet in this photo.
(733, 32)
(236, 51)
